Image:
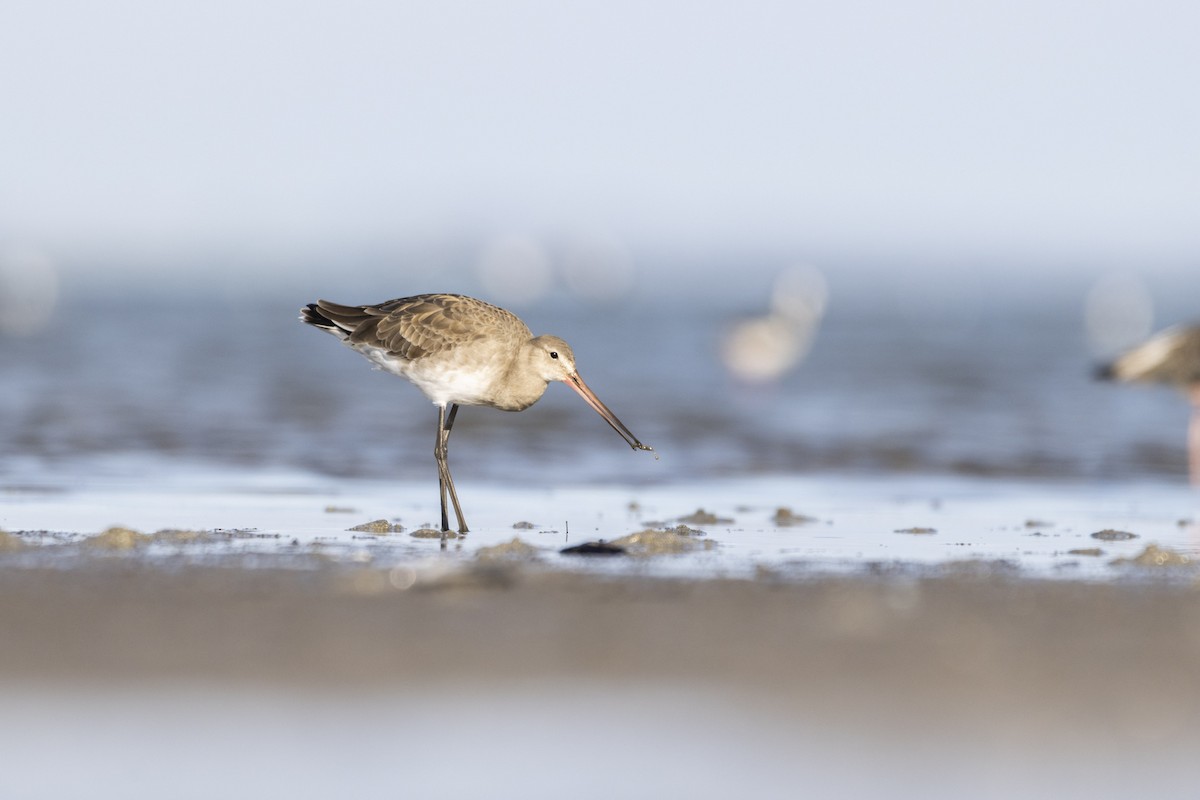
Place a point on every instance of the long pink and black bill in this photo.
(576, 383)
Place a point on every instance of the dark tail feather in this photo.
(1104, 372)
(311, 314)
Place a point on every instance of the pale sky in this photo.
(147, 130)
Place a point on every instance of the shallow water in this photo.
(976, 419)
(937, 387)
(868, 525)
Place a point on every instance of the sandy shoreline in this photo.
(1063, 653)
(267, 675)
(926, 638)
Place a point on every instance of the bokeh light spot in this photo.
(28, 291)
(597, 269)
(1118, 313)
(514, 270)
(800, 293)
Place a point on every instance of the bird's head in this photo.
(555, 361)
(552, 358)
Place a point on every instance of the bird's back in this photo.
(1172, 356)
(453, 347)
(415, 327)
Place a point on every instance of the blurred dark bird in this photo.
(1171, 357)
(458, 351)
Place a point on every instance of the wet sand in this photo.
(881, 644)
(976, 684)
(1071, 654)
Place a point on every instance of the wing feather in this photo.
(414, 327)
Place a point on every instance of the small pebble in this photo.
(1109, 535)
(379, 526)
(702, 517)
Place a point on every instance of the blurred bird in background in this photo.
(1171, 357)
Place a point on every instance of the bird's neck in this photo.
(521, 386)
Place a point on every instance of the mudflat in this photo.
(1121, 655)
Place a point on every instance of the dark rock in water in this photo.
(1109, 535)
(597, 548)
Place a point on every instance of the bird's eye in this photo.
(554, 354)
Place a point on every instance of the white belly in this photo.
(444, 381)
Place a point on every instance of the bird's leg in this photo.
(445, 482)
(1194, 435)
(439, 455)
(462, 523)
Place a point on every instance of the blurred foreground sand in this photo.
(147, 679)
(1119, 660)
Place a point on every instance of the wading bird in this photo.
(1171, 357)
(459, 351)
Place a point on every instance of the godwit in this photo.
(459, 351)
(1171, 357)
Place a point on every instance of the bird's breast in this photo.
(483, 381)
